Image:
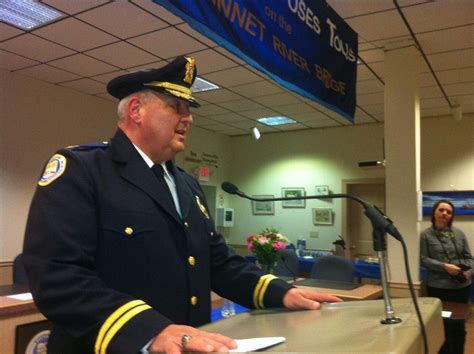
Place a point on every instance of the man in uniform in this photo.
(120, 250)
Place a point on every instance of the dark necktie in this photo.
(163, 186)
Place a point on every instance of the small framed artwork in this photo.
(263, 208)
(322, 190)
(293, 193)
(463, 201)
(322, 216)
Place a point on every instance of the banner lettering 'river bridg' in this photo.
(301, 44)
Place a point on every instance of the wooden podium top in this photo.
(346, 327)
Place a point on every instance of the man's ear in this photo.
(134, 106)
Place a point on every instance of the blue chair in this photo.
(335, 268)
(287, 263)
(19, 273)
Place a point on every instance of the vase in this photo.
(268, 268)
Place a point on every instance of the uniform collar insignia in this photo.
(202, 207)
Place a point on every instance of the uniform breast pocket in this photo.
(125, 225)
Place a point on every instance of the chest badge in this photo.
(202, 207)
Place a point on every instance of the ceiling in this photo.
(97, 40)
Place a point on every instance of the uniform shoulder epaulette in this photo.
(83, 147)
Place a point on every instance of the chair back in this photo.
(287, 263)
(334, 268)
(19, 273)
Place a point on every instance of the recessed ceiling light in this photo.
(201, 85)
(277, 120)
(27, 14)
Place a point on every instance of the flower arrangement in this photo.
(265, 245)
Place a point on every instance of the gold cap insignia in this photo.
(53, 170)
(188, 76)
(202, 207)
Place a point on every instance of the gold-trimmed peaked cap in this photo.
(175, 78)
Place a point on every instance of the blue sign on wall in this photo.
(301, 44)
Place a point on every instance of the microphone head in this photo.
(229, 188)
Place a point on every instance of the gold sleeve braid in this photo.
(260, 289)
(116, 321)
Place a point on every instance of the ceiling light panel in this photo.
(27, 14)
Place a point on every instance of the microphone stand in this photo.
(381, 224)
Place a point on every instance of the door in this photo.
(358, 226)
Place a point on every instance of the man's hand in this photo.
(169, 341)
(303, 299)
(452, 269)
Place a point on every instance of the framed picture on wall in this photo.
(463, 201)
(263, 208)
(322, 216)
(294, 192)
(321, 190)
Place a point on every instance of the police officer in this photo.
(120, 250)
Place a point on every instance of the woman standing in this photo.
(444, 251)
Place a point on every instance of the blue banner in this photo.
(301, 44)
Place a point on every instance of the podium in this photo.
(346, 327)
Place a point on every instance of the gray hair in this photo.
(145, 96)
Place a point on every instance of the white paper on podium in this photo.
(25, 296)
(253, 344)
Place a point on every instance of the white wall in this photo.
(37, 119)
(328, 156)
(447, 161)
(301, 159)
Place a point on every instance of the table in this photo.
(15, 312)
(372, 270)
(346, 327)
(363, 269)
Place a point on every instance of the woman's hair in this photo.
(435, 206)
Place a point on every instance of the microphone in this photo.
(380, 222)
(231, 188)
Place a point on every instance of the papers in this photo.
(253, 344)
(446, 314)
(25, 296)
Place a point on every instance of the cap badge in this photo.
(53, 170)
(202, 207)
(188, 76)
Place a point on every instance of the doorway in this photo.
(357, 227)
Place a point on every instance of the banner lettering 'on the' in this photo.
(304, 45)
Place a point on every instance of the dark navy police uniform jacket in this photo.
(111, 263)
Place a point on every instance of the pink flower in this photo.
(278, 245)
(263, 240)
(250, 246)
(250, 238)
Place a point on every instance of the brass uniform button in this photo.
(194, 300)
(128, 231)
(186, 224)
(192, 260)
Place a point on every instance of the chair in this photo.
(19, 273)
(333, 268)
(287, 263)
